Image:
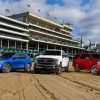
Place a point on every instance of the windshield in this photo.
(57, 53)
(7, 55)
(96, 56)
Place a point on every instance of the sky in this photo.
(83, 14)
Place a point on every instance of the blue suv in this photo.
(10, 61)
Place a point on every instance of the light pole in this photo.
(7, 11)
(47, 15)
(81, 41)
(55, 18)
(39, 11)
(28, 7)
(90, 44)
(63, 22)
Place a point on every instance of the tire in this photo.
(28, 67)
(59, 70)
(94, 70)
(36, 71)
(76, 68)
(6, 68)
(66, 69)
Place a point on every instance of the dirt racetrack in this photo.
(67, 86)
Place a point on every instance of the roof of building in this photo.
(28, 14)
(13, 20)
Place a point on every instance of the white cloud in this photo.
(86, 17)
(90, 25)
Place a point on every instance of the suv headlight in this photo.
(98, 62)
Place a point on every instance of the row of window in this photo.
(13, 23)
(49, 32)
(35, 36)
(86, 56)
(33, 21)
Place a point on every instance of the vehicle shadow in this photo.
(46, 72)
(31, 72)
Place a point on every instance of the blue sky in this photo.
(62, 3)
(84, 14)
(86, 1)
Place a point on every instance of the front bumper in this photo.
(43, 66)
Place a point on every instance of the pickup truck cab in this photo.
(54, 60)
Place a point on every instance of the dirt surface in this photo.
(67, 86)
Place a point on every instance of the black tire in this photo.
(28, 67)
(66, 69)
(59, 70)
(36, 71)
(76, 68)
(94, 70)
(6, 68)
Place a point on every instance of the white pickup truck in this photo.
(53, 60)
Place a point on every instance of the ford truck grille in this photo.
(45, 61)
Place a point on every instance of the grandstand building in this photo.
(29, 31)
(13, 34)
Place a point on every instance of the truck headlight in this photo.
(55, 61)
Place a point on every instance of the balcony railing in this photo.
(52, 41)
(53, 31)
(46, 33)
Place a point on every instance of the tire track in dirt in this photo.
(26, 95)
(40, 88)
(42, 92)
(57, 84)
(52, 96)
(6, 87)
(21, 87)
(25, 87)
(83, 80)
